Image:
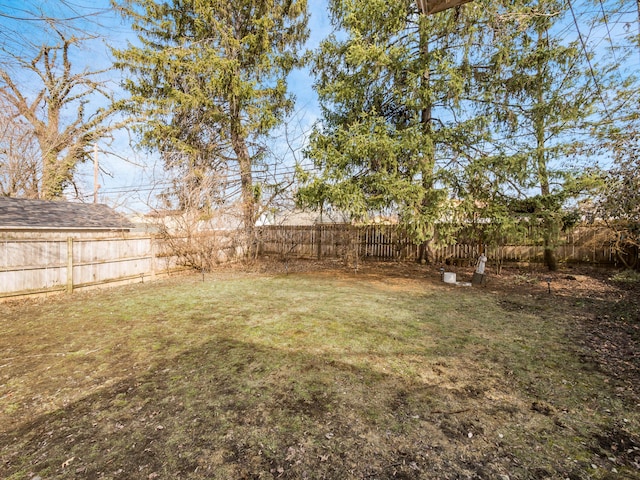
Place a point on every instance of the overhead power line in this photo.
(586, 54)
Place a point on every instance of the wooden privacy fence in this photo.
(41, 265)
(386, 242)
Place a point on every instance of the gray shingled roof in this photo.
(22, 213)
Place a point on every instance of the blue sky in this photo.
(133, 182)
(128, 178)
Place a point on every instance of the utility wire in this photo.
(586, 54)
(606, 24)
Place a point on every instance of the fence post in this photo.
(152, 241)
(69, 265)
(319, 240)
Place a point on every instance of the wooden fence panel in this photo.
(41, 264)
(32, 264)
(583, 244)
(98, 262)
(37, 265)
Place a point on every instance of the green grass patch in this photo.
(627, 276)
(304, 376)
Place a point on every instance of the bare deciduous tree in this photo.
(619, 204)
(61, 113)
(19, 169)
(196, 224)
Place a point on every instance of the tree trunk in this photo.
(539, 123)
(52, 180)
(241, 150)
(550, 259)
(427, 251)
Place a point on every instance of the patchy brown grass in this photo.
(325, 373)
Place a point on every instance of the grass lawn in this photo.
(333, 375)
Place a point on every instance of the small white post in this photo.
(96, 171)
(69, 265)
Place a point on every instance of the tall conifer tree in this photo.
(541, 96)
(208, 80)
(391, 84)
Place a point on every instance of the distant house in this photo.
(296, 217)
(21, 216)
(180, 222)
